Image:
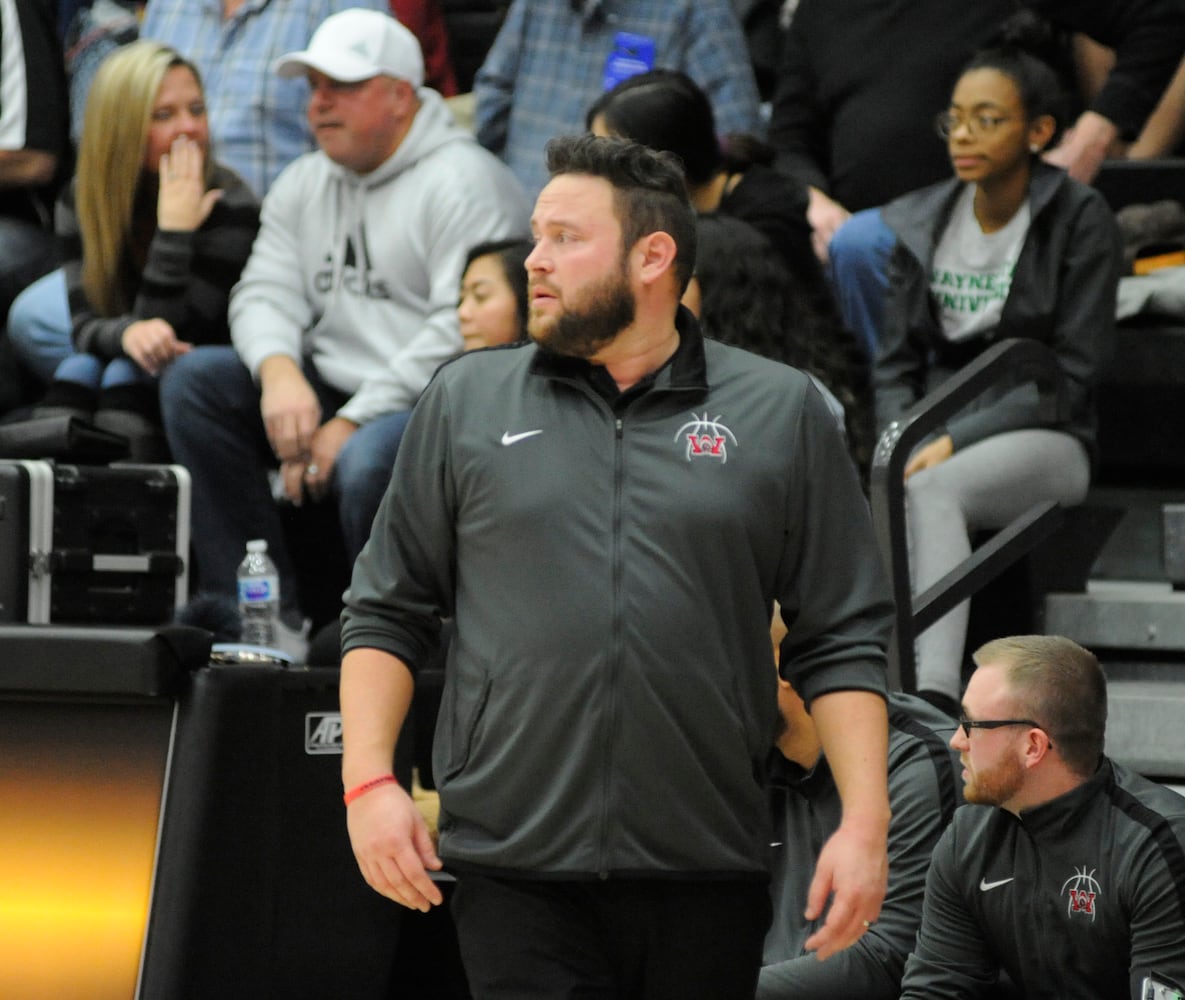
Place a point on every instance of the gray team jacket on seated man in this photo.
(924, 791)
(1079, 897)
(610, 692)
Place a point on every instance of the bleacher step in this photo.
(1135, 615)
(1144, 727)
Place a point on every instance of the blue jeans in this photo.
(39, 325)
(95, 373)
(210, 407)
(859, 253)
(26, 253)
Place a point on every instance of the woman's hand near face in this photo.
(183, 203)
(152, 344)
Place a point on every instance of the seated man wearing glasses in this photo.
(1072, 881)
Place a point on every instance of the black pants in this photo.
(619, 939)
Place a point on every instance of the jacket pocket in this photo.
(460, 716)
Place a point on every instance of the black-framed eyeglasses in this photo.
(968, 724)
(978, 124)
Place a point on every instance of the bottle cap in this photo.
(257, 545)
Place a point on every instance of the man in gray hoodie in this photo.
(347, 304)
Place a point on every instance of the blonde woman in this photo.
(156, 236)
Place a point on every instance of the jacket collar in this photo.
(918, 218)
(687, 368)
(1066, 812)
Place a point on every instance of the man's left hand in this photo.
(313, 476)
(853, 871)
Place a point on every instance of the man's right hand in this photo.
(290, 410)
(825, 216)
(393, 847)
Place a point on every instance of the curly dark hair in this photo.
(750, 300)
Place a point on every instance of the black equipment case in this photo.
(97, 544)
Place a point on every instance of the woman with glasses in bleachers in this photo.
(1009, 247)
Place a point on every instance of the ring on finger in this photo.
(312, 469)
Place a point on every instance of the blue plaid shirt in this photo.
(547, 65)
(257, 120)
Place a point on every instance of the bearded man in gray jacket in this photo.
(608, 514)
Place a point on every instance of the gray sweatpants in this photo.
(985, 485)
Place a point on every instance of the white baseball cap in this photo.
(355, 45)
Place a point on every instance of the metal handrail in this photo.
(1010, 362)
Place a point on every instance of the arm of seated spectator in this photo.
(1085, 146)
(718, 60)
(1147, 42)
(798, 127)
(1164, 131)
(493, 85)
(26, 167)
(825, 216)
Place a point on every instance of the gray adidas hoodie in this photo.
(360, 273)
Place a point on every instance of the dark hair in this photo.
(1025, 50)
(512, 256)
(664, 109)
(648, 190)
(750, 299)
(1060, 685)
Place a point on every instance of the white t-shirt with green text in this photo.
(973, 270)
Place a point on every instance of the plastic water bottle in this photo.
(259, 595)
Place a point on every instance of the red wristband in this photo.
(359, 790)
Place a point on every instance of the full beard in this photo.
(603, 311)
(996, 786)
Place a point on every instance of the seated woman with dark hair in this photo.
(492, 309)
(1009, 247)
(665, 109)
(744, 296)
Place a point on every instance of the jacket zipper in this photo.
(615, 651)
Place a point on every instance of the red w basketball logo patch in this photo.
(705, 438)
(1081, 891)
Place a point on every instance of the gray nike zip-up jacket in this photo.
(1080, 897)
(610, 695)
